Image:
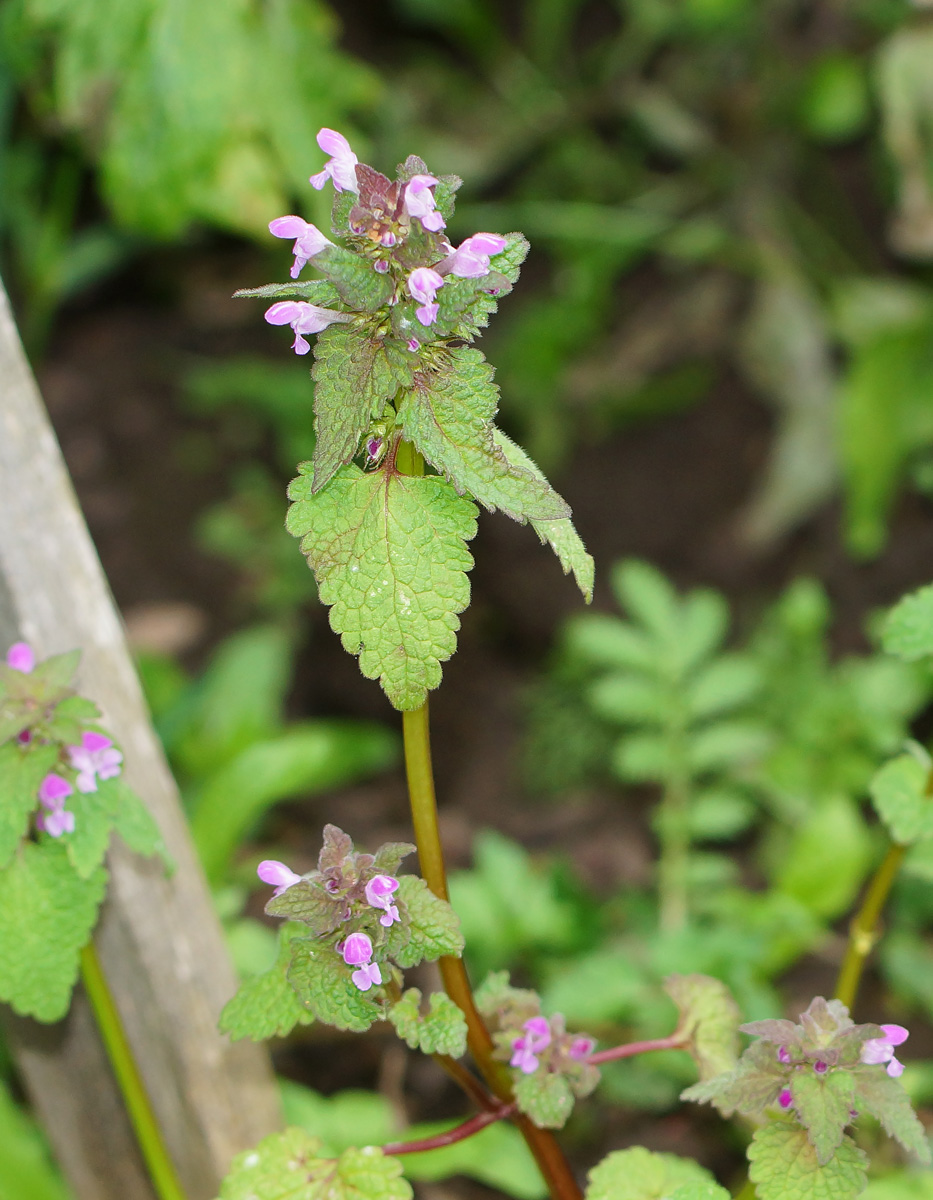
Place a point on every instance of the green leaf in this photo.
(699, 1191)
(313, 291)
(606, 641)
(709, 1021)
(560, 535)
(94, 817)
(885, 1098)
(389, 554)
(640, 1174)
(27, 1171)
(22, 769)
(728, 682)
(900, 794)
(287, 1166)
(648, 597)
(544, 1096)
(468, 318)
(308, 758)
(727, 744)
(751, 1088)
(308, 902)
(47, 914)
(784, 1166)
(802, 873)
(824, 1106)
(629, 699)
(354, 375)
(359, 285)
(448, 415)
(442, 1031)
(72, 716)
(429, 929)
(322, 982)
(908, 630)
(136, 825)
(267, 1006)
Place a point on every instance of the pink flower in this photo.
(340, 167)
(423, 284)
(57, 819)
(881, 1050)
(525, 1049)
(783, 1054)
(379, 891)
(366, 976)
(357, 950)
(308, 239)
(94, 759)
(471, 259)
(581, 1047)
(303, 318)
(272, 871)
(785, 1099)
(21, 658)
(420, 203)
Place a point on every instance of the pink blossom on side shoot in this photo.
(525, 1049)
(357, 950)
(379, 891)
(276, 873)
(303, 318)
(581, 1047)
(785, 1099)
(56, 820)
(423, 284)
(308, 239)
(471, 259)
(340, 167)
(21, 658)
(94, 759)
(881, 1050)
(420, 203)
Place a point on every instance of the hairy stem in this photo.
(543, 1145)
(449, 1136)
(146, 1127)
(674, 1042)
(863, 930)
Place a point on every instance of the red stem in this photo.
(674, 1042)
(449, 1136)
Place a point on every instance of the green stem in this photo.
(674, 853)
(863, 931)
(148, 1134)
(543, 1145)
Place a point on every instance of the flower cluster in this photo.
(397, 226)
(548, 1039)
(341, 900)
(84, 764)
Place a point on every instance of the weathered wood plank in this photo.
(159, 940)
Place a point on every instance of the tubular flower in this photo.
(276, 873)
(56, 820)
(525, 1049)
(379, 891)
(94, 759)
(21, 657)
(471, 259)
(308, 239)
(420, 202)
(340, 167)
(881, 1050)
(357, 951)
(423, 284)
(785, 1099)
(303, 318)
